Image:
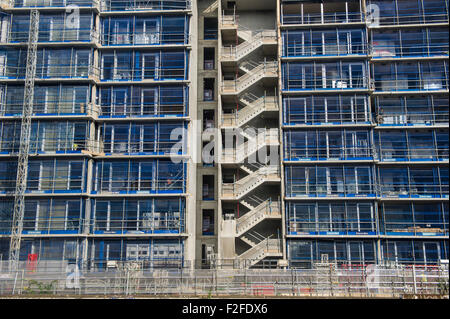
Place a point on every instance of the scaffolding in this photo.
(132, 279)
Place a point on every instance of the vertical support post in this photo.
(331, 282)
(414, 280)
(292, 278)
(245, 280)
(21, 284)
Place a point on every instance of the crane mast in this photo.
(22, 162)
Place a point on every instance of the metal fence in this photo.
(128, 279)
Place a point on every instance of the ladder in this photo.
(22, 163)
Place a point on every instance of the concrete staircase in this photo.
(268, 209)
(252, 109)
(265, 69)
(247, 184)
(268, 247)
(251, 79)
(246, 149)
(252, 41)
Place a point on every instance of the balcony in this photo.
(326, 110)
(152, 30)
(144, 66)
(139, 101)
(324, 43)
(297, 13)
(320, 218)
(139, 177)
(138, 216)
(413, 182)
(335, 190)
(414, 219)
(54, 3)
(431, 110)
(46, 216)
(141, 139)
(329, 76)
(331, 181)
(399, 12)
(410, 43)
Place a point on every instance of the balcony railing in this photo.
(139, 38)
(391, 50)
(300, 82)
(54, 3)
(61, 108)
(334, 189)
(141, 185)
(229, 20)
(417, 118)
(414, 18)
(45, 185)
(142, 74)
(56, 71)
(47, 225)
(414, 190)
(310, 117)
(135, 147)
(152, 224)
(344, 225)
(413, 154)
(50, 36)
(432, 83)
(138, 5)
(332, 152)
(297, 49)
(416, 228)
(46, 145)
(122, 110)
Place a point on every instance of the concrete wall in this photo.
(208, 9)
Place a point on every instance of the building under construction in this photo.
(107, 108)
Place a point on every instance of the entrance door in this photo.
(149, 102)
(108, 67)
(357, 75)
(119, 106)
(150, 66)
(431, 253)
(121, 33)
(151, 31)
(344, 43)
